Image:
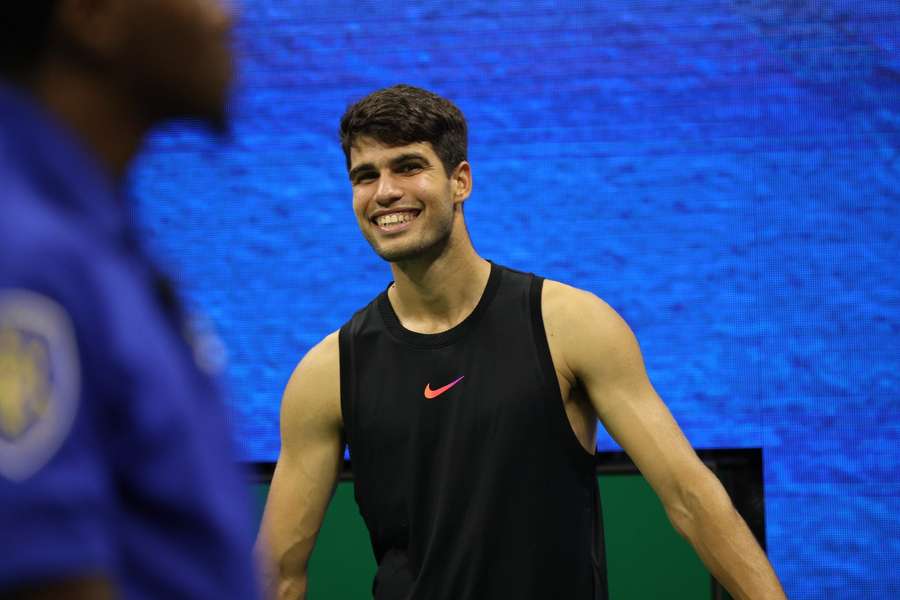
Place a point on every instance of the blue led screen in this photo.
(724, 174)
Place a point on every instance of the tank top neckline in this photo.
(444, 338)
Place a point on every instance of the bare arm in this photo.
(306, 472)
(594, 347)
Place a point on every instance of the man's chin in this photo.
(397, 256)
(205, 108)
(411, 253)
(394, 253)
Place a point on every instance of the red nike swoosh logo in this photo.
(430, 393)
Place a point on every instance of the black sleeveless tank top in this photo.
(466, 470)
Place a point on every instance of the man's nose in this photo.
(387, 191)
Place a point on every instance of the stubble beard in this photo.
(424, 249)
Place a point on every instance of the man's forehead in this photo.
(370, 150)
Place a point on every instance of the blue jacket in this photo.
(115, 450)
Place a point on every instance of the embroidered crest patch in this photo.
(39, 381)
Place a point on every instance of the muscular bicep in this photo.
(307, 469)
(636, 417)
(604, 358)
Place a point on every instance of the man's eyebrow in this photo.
(408, 156)
(393, 162)
(360, 168)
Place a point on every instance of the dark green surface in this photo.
(646, 558)
(341, 566)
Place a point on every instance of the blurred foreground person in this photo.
(116, 470)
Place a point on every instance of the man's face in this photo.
(403, 199)
(175, 56)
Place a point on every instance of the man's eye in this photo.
(409, 168)
(364, 178)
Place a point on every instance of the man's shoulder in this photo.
(44, 254)
(576, 314)
(51, 253)
(40, 255)
(584, 330)
(36, 235)
(24, 212)
(318, 369)
(558, 297)
(313, 390)
(324, 353)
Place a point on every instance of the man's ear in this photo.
(461, 182)
(95, 28)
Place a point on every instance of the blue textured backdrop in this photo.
(725, 174)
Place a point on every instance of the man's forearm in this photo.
(292, 589)
(284, 588)
(278, 585)
(726, 546)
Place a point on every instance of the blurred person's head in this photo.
(156, 59)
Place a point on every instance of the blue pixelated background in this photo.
(724, 173)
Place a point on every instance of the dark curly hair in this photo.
(403, 114)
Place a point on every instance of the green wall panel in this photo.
(646, 558)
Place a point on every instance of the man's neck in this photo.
(106, 120)
(434, 295)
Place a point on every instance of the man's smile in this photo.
(395, 220)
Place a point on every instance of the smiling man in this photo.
(469, 395)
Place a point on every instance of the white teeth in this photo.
(395, 218)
